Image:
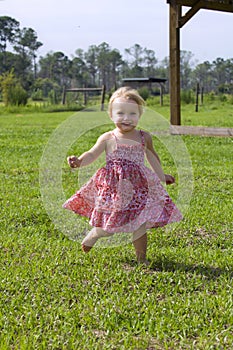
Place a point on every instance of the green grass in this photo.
(55, 297)
(212, 113)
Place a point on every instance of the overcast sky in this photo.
(66, 25)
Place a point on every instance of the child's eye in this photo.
(119, 113)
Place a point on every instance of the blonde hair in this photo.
(129, 94)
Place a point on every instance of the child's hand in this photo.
(169, 179)
(73, 161)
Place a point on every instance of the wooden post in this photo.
(175, 13)
(103, 97)
(161, 94)
(64, 95)
(197, 93)
(85, 95)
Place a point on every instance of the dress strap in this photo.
(142, 138)
(113, 134)
(116, 139)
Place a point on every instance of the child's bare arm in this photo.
(90, 156)
(154, 161)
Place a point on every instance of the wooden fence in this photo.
(85, 92)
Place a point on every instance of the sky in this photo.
(67, 25)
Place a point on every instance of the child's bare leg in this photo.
(92, 237)
(140, 244)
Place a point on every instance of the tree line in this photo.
(99, 65)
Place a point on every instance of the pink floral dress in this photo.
(124, 194)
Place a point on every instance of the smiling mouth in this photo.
(126, 124)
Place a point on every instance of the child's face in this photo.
(125, 114)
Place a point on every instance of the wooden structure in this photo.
(85, 91)
(200, 130)
(140, 82)
(177, 21)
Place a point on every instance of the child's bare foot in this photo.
(86, 248)
(144, 262)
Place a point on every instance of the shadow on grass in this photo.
(210, 272)
(166, 265)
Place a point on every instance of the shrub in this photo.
(45, 85)
(17, 96)
(187, 96)
(222, 98)
(53, 98)
(211, 96)
(12, 91)
(144, 92)
(7, 81)
(37, 95)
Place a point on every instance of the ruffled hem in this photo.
(127, 221)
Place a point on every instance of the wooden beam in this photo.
(83, 89)
(210, 5)
(175, 13)
(224, 5)
(191, 2)
(200, 131)
(188, 15)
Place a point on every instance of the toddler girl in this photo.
(124, 195)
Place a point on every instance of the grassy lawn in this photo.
(211, 113)
(55, 297)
